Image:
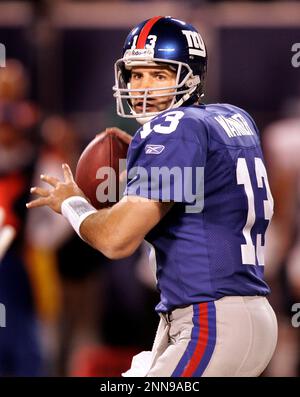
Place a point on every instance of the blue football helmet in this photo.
(158, 41)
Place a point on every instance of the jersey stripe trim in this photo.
(211, 343)
(145, 32)
(201, 342)
(189, 351)
(200, 349)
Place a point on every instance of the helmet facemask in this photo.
(186, 85)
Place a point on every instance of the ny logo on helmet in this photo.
(195, 43)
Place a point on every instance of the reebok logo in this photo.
(154, 149)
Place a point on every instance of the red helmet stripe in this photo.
(145, 31)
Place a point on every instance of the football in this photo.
(101, 168)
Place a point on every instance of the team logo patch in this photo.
(154, 149)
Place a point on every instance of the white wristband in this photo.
(76, 209)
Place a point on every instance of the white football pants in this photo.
(233, 336)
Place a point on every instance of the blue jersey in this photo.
(208, 160)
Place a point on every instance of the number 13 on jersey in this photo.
(249, 251)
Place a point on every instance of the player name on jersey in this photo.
(235, 125)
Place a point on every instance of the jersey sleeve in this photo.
(168, 164)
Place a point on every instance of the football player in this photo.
(198, 192)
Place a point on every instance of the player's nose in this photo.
(146, 82)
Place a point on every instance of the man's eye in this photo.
(161, 77)
(136, 76)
